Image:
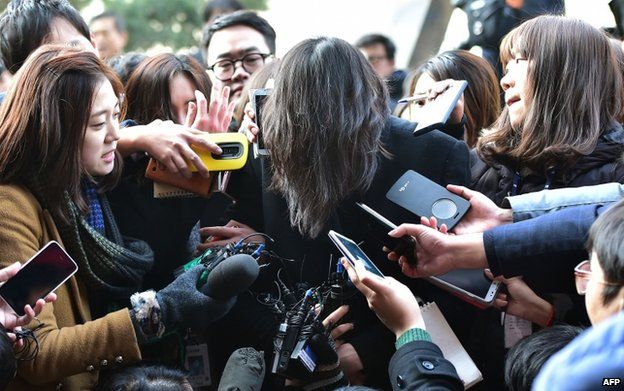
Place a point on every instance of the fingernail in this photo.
(219, 150)
(392, 232)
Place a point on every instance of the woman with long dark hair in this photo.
(481, 97)
(59, 129)
(332, 142)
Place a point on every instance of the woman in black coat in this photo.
(563, 104)
(332, 143)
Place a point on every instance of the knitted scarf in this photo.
(111, 266)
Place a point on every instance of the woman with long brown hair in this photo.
(559, 127)
(59, 127)
(481, 97)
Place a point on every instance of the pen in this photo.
(417, 97)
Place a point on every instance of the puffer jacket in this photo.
(603, 165)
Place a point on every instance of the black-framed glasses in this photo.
(224, 69)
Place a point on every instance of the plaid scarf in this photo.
(111, 266)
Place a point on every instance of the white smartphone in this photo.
(470, 285)
(48, 269)
(353, 252)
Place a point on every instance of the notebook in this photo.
(162, 190)
(445, 338)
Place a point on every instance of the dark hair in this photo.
(482, 96)
(257, 80)
(147, 90)
(239, 18)
(8, 361)
(143, 378)
(214, 5)
(605, 239)
(25, 24)
(374, 39)
(574, 93)
(525, 359)
(125, 64)
(120, 22)
(325, 118)
(43, 120)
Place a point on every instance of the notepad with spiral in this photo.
(443, 336)
(197, 184)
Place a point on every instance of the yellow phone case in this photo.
(235, 149)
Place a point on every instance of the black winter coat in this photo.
(435, 155)
(603, 165)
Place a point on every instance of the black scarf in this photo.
(112, 266)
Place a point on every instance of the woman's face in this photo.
(514, 83)
(596, 309)
(182, 92)
(102, 133)
(414, 111)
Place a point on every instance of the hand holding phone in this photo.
(257, 98)
(443, 99)
(353, 252)
(379, 226)
(36, 279)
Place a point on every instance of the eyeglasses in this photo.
(582, 275)
(224, 69)
(376, 59)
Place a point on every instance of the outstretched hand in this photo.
(483, 213)
(393, 302)
(215, 120)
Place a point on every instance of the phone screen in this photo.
(42, 274)
(352, 251)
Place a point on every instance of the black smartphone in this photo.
(48, 269)
(353, 252)
(437, 112)
(379, 226)
(423, 197)
(257, 97)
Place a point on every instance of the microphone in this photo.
(231, 277)
(244, 371)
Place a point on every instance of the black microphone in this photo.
(231, 277)
(244, 371)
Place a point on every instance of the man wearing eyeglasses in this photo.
(379, 50)
(235, 46)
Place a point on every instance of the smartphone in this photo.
(471, 285)
(437, 112)
(379, 226)
(48, 269)
(257, 97)
(423, 197)
(234, 148)
(353, 252)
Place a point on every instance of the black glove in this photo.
(183, 305)
(327, 374)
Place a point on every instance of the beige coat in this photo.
(72, 346)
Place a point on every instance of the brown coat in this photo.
(72, 346)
